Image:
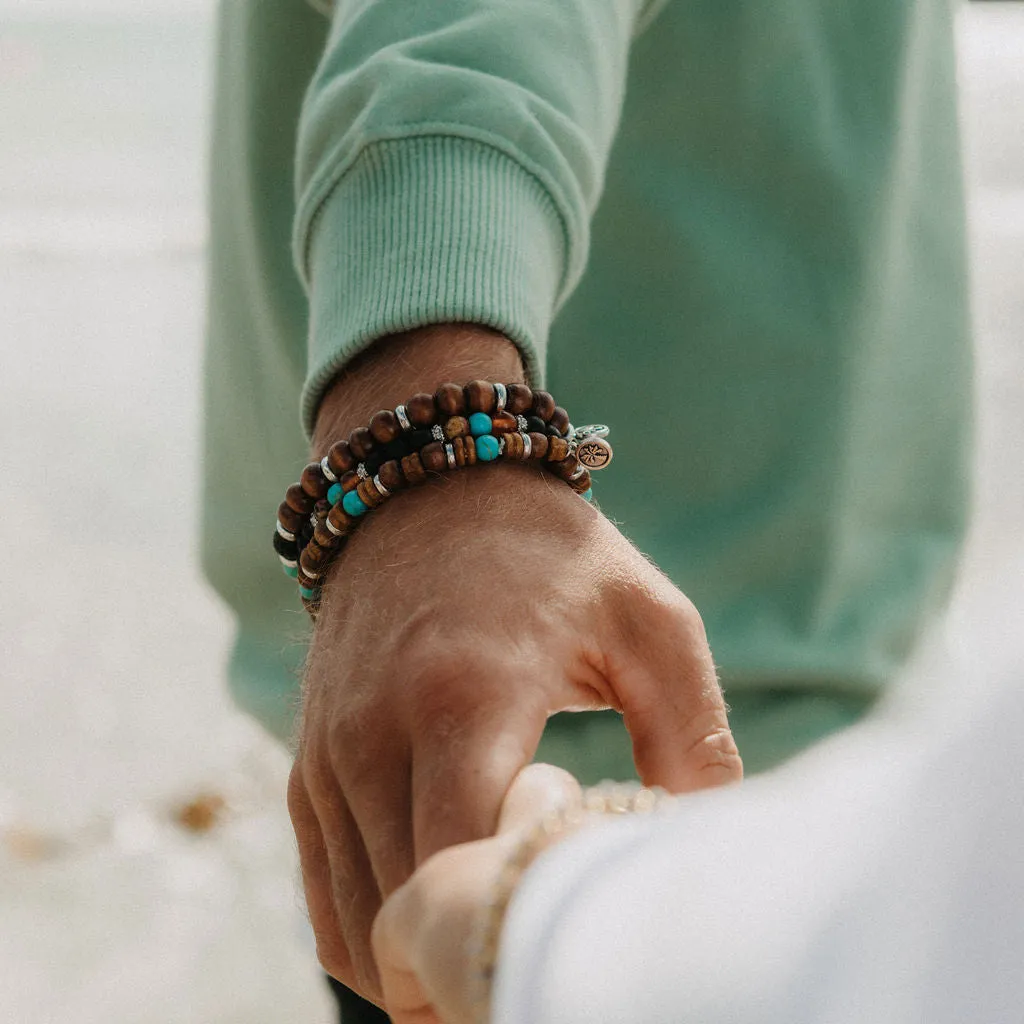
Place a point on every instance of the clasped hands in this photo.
(454, 624)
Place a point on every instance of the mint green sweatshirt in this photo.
(732, 231)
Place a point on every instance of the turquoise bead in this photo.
(354, 505)
(291, 570)
(487, 447)
(308, 594)
(334, 493)
(479, 424)
(588, 494)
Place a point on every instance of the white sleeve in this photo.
(878, 879)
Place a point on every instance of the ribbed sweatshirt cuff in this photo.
(430, 230)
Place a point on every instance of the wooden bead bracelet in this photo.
(454, 427)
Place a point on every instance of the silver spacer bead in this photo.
(500, 397)
(437, 432)
(501, 444)
(450, 453)
(522, 424)
(381, 489)
(362, 472)
(570, 434)
(289, 563)
(286, 534)
(590, 430)
(578, 472)
(312, 575)
(325, 468)
(527, 446)
(403, 418)
(330, 526)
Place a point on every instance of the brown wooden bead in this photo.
(340, 458)
(391, 475)
(565, 469)
(457, 426)
(450, 400)
(299, 500)
(384, 426)
(543, 405)
(321, 508)
(519, 400)
(367, 490)
(312, 560)
(362, 443)
(307, 581)
(434, 458)
(558, 449)
(503, 423)
(412, 469)
(538, 446)
(560, 420)
(515, 446)
(420, 409)
(313, 481)
(582, 483)
(291, 520)
(341, 520)
(480, 396)
(465, 451)
(323, 536)
(349, 482)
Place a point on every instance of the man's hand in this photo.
(460, 616)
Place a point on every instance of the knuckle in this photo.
(353, 739)
(712, 756)
(443, 687)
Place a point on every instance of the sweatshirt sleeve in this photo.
(450, 156)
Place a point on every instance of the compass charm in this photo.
(594, 452)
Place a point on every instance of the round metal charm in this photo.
(594, 452)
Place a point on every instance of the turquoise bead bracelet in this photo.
(457, 426)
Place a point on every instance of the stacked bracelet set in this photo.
(454, 427)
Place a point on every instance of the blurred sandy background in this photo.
(146, 866)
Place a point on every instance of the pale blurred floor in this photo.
(113, 710)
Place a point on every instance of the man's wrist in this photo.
(396, 367)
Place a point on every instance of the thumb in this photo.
(672, 703)
(538, 790)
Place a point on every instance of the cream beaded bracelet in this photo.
(608, 798)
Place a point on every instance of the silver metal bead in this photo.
(527, 446)
(500, 397)
(288, 563)
(362, 472)
(403, 418)
(312, 575)
(325, 468)
(501, 444)
(332, 527)
(381, 489)
(522, 424)
(437, 432)
(590, 430)
(578, 472)
(286, 534)
(449, 451)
